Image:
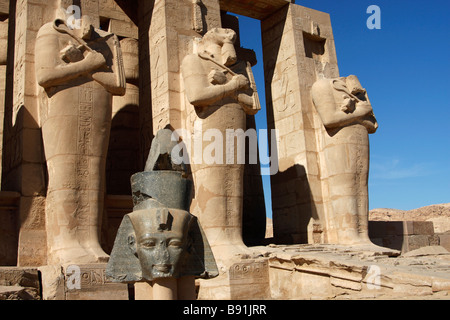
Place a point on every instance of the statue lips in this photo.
(163, 268)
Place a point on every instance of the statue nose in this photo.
(162, 255)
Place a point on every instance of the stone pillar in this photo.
(8, 201)
(298, 49)
(3, 62)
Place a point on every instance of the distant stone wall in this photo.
(439, 214)
(403, 235)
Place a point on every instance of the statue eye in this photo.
(175, 243)
(148, 243)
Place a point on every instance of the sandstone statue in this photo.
(80, 70)
(221, 92)
(347, 115)
(160, 240)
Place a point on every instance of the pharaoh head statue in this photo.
(160, 238)
(161, 241)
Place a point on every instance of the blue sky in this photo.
(405, 67)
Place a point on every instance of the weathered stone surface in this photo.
(339, 272)
(19, 284)
(347, 116)
(80, 282)
(219, 99)
(9, 208)
(93, 283)
(18, 293)
(403, 235)
(439, 214)
(52, 282)
(249, 280)
(444, 240)
(295, 57)
(426, 251)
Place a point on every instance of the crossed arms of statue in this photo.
(204, 89)
(57, 67)
(339, 106)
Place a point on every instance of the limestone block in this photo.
(346, 284)
(411, 284)
(52, 282)
(19, 284)
(393, 242)
(440, 285)
(423, 228)
(413, 242)
(444, 240)
(4, 6)
(249, 280)
(88, 282)
(9, 204)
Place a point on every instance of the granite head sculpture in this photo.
(160, 238)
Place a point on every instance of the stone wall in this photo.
(405, 235)
(298, 48)
(333, 272)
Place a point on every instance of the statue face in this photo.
(160, 242)
(160, 253)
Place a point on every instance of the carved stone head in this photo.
(159, 243)
(160, 238)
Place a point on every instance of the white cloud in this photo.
(394, 169)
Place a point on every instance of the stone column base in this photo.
(246, 279)
(80, 282)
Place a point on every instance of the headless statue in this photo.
(221, 94)
(80, 70)
(347, 115)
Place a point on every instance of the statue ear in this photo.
(200, 261)
(132, 243)
(124, 265)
